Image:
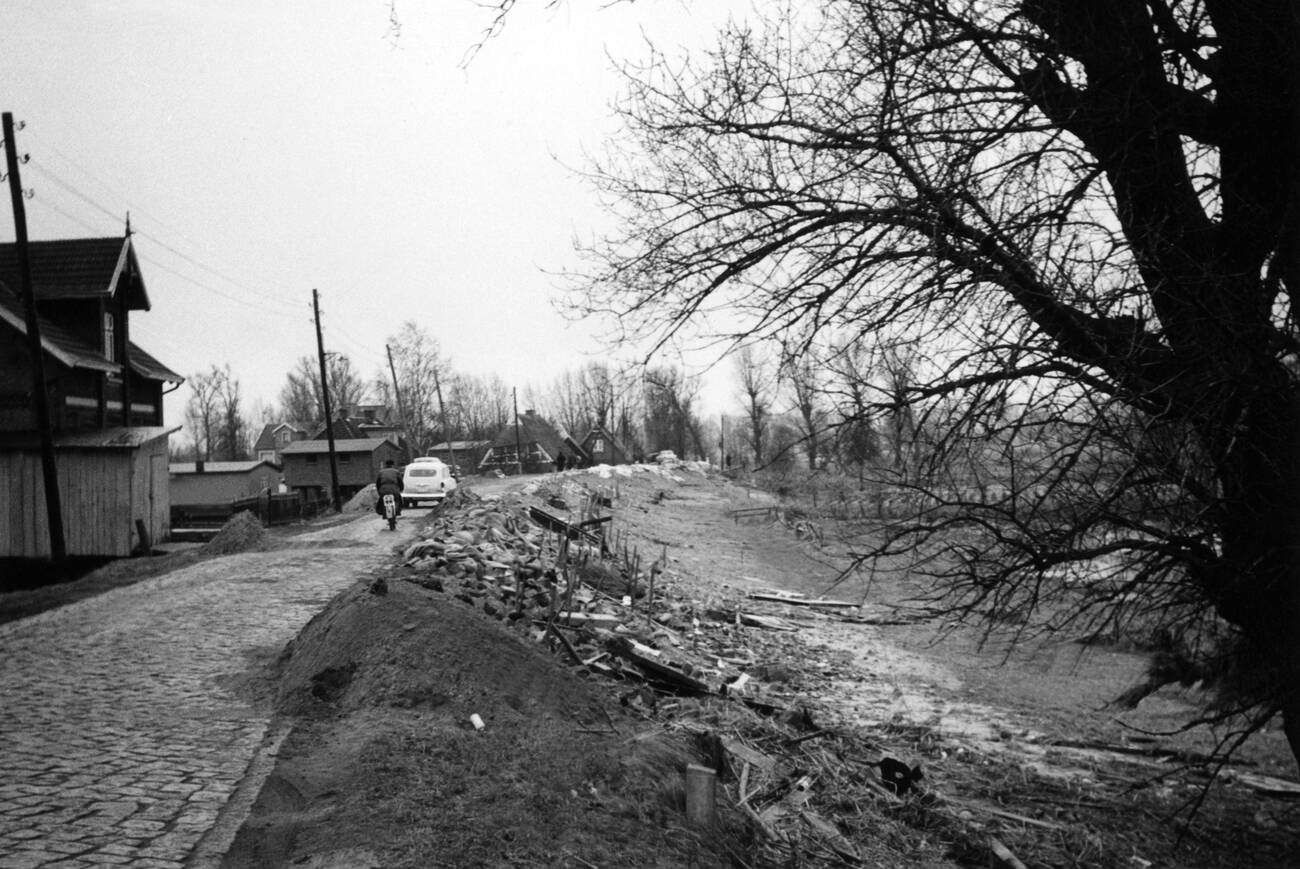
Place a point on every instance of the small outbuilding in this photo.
(219, 482)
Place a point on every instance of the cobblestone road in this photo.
(118, 745)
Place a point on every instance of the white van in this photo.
(426, 480)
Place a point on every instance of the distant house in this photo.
(307, 465)
(603, 447)
(541, 443)
(219, 482)
(105, 396)
(465, 455)
(275, 437)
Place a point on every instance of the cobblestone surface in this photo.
(118, 744)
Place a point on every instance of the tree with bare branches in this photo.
(1088, 215)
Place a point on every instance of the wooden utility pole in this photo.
(442, 412)
(53, 505)
(325, 405)
(401, 408)
(519, 453)
(124, 339)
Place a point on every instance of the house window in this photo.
(110, 343)
(344, 458)
(598, 445)
(311, 459)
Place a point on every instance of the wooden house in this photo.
(275, 437)
(219, 482)
(603, 447)
(307, 465)
(541, 443)
(105, 396)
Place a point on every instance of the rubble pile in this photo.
(729, 672)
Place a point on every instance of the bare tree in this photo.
(300, 397)
(670, 421)
(1087, 210)
(420, 372)
(757, 392)
(202, 411)
(480, 406)
(805, 375)
(232, 434)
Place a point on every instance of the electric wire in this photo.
(169, 248)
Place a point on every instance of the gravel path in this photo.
(118, 744)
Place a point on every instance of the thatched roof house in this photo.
(533, 446)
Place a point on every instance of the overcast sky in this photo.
(266, 149)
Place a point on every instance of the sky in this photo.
(264, 150)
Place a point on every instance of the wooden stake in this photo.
(701, 795)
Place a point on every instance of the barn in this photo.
(105, 396)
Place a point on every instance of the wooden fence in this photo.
(271, 509)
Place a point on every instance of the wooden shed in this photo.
(113, 487)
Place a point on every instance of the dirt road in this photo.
(122, 740)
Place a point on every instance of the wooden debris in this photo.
(1266, 785)
(831, 835)
(664, 675)
(800, 600)
(701, 795)
(1006, 859)
(609, 621)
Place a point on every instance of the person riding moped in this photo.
(389, 482)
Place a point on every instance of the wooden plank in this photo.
(794, 600)
(701, 795)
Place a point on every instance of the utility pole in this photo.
(123, 339)
(53, 506)
(325, 402)
(401, 408)
(442, 412)
(519, 452)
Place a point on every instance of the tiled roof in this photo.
(76, 268)
(220, 467)
(459, 445)
(58, 342)
(76, 353)
(147, 366)
(346, 445)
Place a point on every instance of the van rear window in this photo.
(421, 472)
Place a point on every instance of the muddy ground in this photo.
(582, 765)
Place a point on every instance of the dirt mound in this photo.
(385, 755)
(242, 532)
(363, 501)
(414, 648)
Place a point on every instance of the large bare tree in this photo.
(1088, 212)
(300, 397)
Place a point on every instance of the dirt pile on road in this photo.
(241, 533)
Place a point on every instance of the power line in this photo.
(218, 273)
(50, 205)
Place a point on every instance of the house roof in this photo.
(119, 438)
(536, 429)
(221, 467)
(344, 428)
(459, 445)
(78, 268)
(344, 445)
(615, 442)
(266, 440)
(76, 353)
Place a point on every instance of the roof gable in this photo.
(78, 268)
